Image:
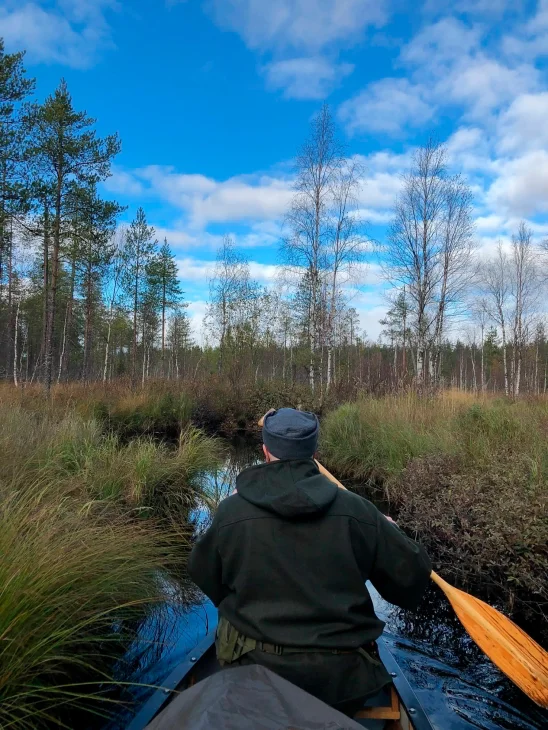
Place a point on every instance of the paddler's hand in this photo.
(391, 520)
(261, 420)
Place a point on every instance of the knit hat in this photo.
(291, 434)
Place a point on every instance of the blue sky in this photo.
(212, 99)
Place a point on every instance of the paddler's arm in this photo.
(205, 567)
(401, 568)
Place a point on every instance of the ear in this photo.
(266, 453)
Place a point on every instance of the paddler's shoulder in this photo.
(353, 505)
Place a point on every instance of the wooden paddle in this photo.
(514, 652)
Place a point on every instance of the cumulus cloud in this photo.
(302, 38)
(481, 84)
(196, 270)
(310, 25)
(260, 234)
(206, 200)
(448, 64)
(524, 125)
(123, 183)
(388, 106)
(521, 187)
(69, 32)
(306, 78)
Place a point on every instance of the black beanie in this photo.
(291, 434)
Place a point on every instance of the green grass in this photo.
(68, 575)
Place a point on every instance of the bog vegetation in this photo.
(467, 476)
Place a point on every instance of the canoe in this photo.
(398, 709)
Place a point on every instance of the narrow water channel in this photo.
(457, 685)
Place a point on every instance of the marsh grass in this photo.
(90, 526)
(69, 577)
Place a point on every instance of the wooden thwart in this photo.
(382, 713)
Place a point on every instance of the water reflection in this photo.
(456, 684)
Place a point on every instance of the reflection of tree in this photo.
(221, 482)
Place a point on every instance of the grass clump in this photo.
(142, 474)
(374, 439)
(68, 578)
(90, 526)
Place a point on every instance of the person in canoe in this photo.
(285, 560)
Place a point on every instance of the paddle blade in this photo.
(514, 652)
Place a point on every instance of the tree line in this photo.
(85, 297)
(79, 297)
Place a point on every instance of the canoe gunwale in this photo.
(156, 702)
(407, 695)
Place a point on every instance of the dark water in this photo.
(457, 685)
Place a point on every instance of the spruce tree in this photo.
(163, 271)
(138, 254)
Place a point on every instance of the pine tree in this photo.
(66, 152)
(14, 198)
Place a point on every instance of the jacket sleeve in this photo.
(401, 568)
(205, 567)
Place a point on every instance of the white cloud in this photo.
(388, 106)
(309, 25)
(301, 37)
(199, 271)
(306, 78)
(196, 312)
(491, 8)
(123, 183)
(238, 200)
(525, 124)
(491, 223)
(482, 84)
(195, 270)
(521, 187)
(448, 64)
(529, 40)
(441, 43)
(69, 32)
(261, 234)
(243, 198)
(379, 190)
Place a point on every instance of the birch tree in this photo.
(428, 251)
(308, 220)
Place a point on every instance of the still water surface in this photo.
(457, 685)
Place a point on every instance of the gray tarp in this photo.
(249, 698)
